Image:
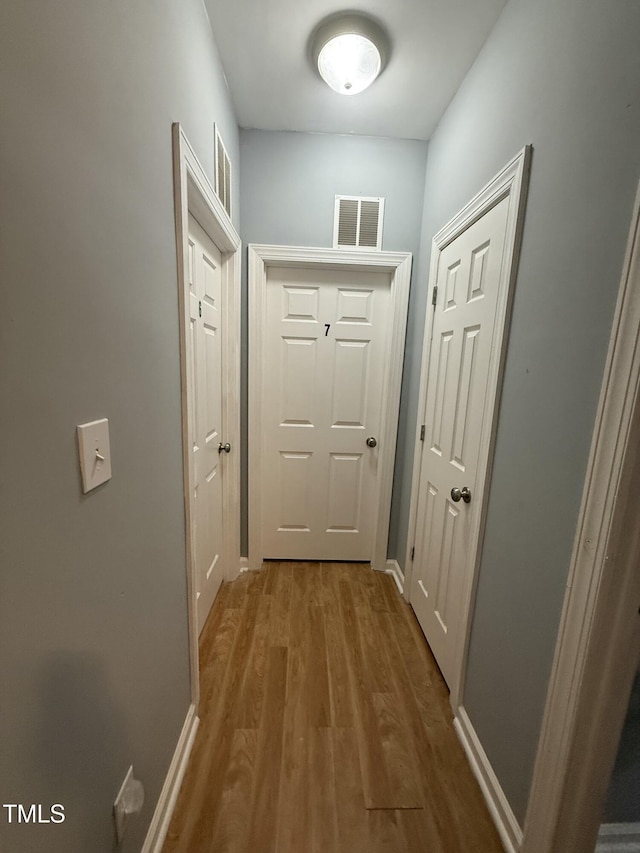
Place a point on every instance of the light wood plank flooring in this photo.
(325, 725)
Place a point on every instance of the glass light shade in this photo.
(349, 63)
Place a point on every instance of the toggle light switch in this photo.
(95, 453)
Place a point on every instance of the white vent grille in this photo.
(222, 172)
(358, 222)
(348, 222)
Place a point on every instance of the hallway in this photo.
(325, 725)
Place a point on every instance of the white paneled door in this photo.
(468, 279)
(327, 334)
(205, 414)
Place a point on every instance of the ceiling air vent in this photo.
(223, 172)
(358, 222)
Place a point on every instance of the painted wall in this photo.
(623, 797)
(563, 75)
(289, 184)
(93, 614)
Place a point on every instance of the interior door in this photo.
(467, 279)
(326, 338)
(205, 414)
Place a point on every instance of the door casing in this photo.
(511, 182)
(398, 264)
(194, 194)
(598, 644)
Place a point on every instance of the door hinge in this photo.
(422, 433)
(434, 297)
(200, 308)
(413, 551)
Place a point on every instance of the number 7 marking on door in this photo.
(327, 326)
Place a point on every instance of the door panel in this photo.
(462, 416)
(205, 413)
(468, 278)
(326, 333)
(298, 363)
(350, 383)
(345, 490)
(294, 501)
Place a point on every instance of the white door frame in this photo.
(511, 182)
(599, 637)
(194, 194)
(398, 264)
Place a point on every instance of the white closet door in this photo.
(468, 278)
(326, 339)
(205, 413)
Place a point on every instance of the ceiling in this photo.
(264, 49)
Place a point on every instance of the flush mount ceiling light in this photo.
(349, 50)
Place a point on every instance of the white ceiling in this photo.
(264, 50)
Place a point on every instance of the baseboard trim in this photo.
(247, 566)
(167, 800)
(393, 569)
(503, 817)
(618, 838)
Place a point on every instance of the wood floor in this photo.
(325, 725)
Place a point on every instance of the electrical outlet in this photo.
(129, 802)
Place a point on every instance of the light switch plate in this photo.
(128, 803)
(95, 453)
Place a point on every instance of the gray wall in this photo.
(289, 184)
(563, 75)
(93, 621)
(623, 796)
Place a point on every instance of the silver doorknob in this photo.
(461, 494)
(371, 441)
(226, 447)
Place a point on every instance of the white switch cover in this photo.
(95, 453)
(129, 802)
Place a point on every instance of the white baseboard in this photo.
(167, 800)
(245, 566)
(619, 838)
(393, 569)
(504, 819)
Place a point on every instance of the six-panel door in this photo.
(205, 413)
(467, 279)
(326, 334)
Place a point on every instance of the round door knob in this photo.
(461, 494)
(371, 441)
(226, 447)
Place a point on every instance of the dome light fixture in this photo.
(349, 50)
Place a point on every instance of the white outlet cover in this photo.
(95, 453)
